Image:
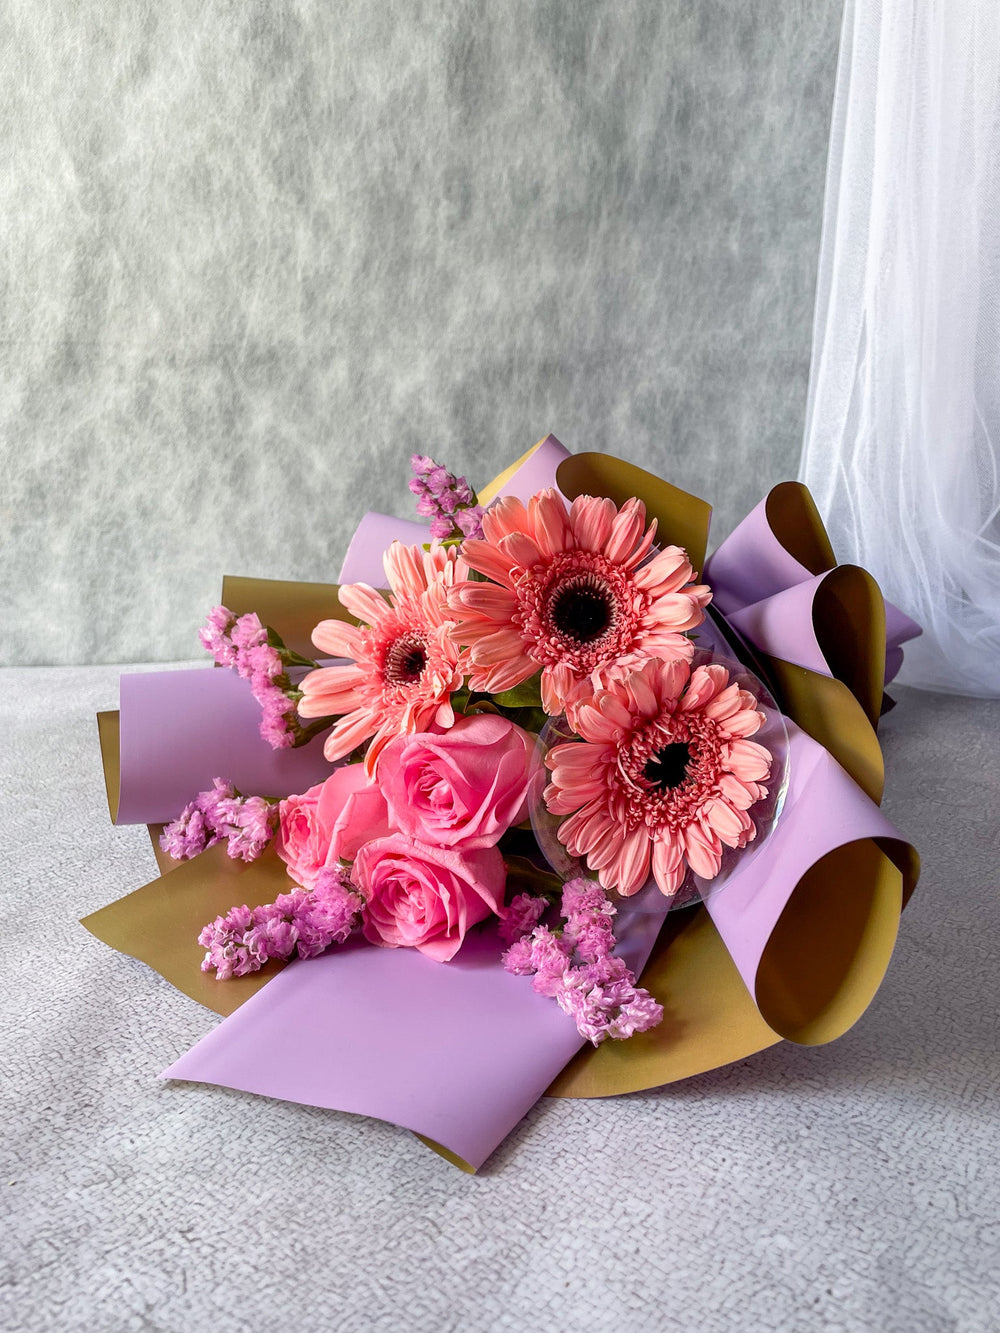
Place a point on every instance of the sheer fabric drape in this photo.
(903, 418)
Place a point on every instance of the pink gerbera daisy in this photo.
(569, 592)
(664, 774)
(404, 666)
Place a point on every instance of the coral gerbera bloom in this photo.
(404, 666)
(663, 776)
(569, 593)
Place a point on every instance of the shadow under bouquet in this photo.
(535, 800)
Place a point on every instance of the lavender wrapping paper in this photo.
(752, 567)
(824, 809)
(457, 1052)
(182, 729)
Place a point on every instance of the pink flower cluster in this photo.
(246, 823)
(524, 911)
(599, 992)
(306, 921)
(448, 501)
(243, 643)
(423, 836)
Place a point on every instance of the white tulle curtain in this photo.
(903, 421)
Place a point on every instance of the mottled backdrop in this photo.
(256, 253)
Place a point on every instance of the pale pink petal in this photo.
(668, 863)
(557, 681)
(499, 647)
(363, 602)
(503, 517)
(486, 559)
(704, 685)
(331, 690)
(348, 734)
(591, 518)
(745, 723)
(642, 697)
(520, 550)
(404, 568)
(337, 638)
(626, 530)
(484, 599)
(749, 761)
(631, 866)
(549, 522)
(502, 676)
(704, 855)
(728, 823)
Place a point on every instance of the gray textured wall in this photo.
(256, 253)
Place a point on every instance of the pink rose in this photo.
(423, 897)
(329, 823)
(463, 788)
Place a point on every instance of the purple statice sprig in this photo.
(536, 891)
(306, 922)
(448, 501)
(247, 824)
(260, 656)
(577, 967)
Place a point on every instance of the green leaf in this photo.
(526, 695)
(528, 719)
(523, 876)
(460, 700)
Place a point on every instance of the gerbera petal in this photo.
(504, 516)
(557, 681)
(594, 726)
(337, 638)
(582, 830)
(704, 854)
(626, 530)
(668, 571)
(669, 679)
(728, 823)
(500, 646)
(739, 794)
(668, 863)
(744, 723)
(631, 866)
(704, 685)
(725, 704)
(486, 559)
(364, 602)
(502, 675)
(328, 691)
(591, 518)
(348, 734)
(642, 696)
(675, 610)
(549, 522)
(405, 569)
(486, 600)
(748, 760)
(520, 550)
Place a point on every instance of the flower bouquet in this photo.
(535, 800)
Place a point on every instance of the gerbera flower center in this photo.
(580, 610)
(405, 661)
(583, 609)
(667, 771)
(668, 768)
